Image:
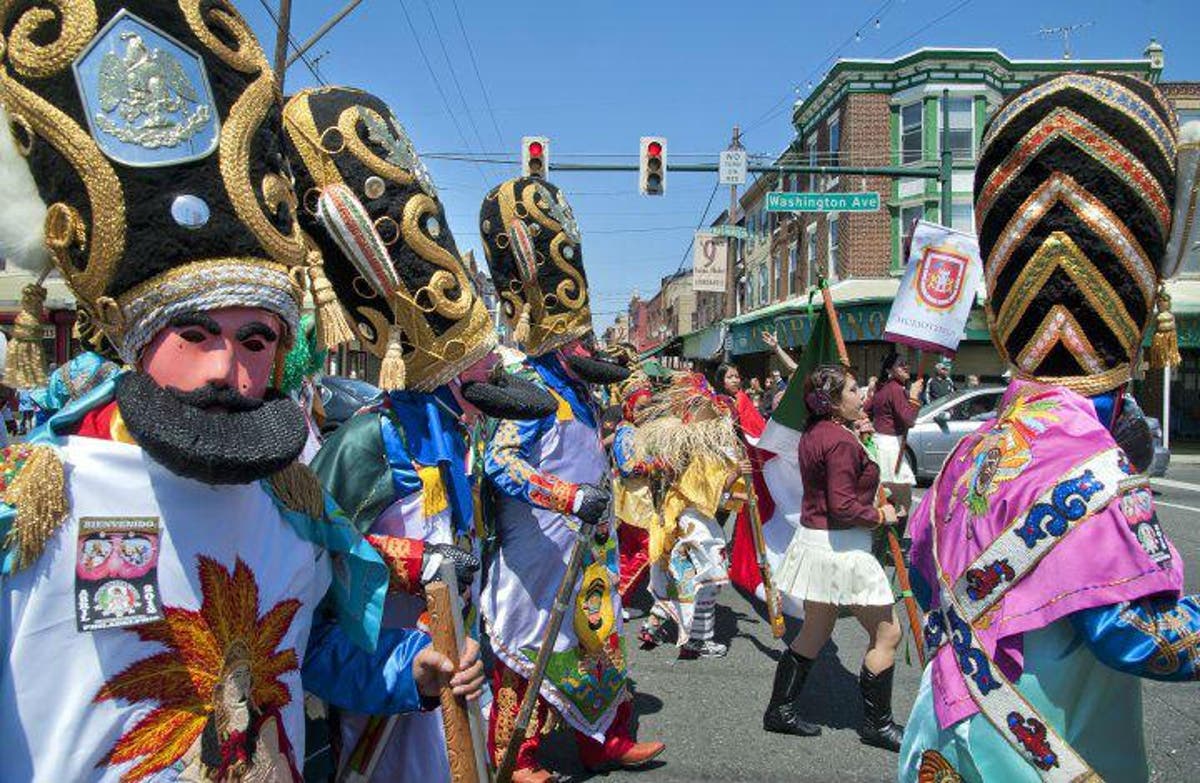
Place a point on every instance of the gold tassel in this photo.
(521, 330)
(39, 494)
(299, 489)
(392, 371)
(333, 329)
(25, 366)
(1164, 347)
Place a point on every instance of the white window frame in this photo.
(970, 99)
(957, 207)
(834, 121)
(810, 255)
(810, 149)
(920, 131)
(831, 249)
(793, 255)
(904, 226)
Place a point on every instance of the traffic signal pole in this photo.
(946, 174)
(731, 242)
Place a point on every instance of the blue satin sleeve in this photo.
(507, 465)
(1155, 638)
(380, 683)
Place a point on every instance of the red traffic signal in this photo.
(535, 156)
(652, 166)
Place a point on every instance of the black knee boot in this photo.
(783, 713)
(878, 728)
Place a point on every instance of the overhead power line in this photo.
(292, 42)
(487, 101)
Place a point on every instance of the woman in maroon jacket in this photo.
(829, 563)
(893, 411)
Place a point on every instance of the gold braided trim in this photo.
(25, 363)
(300, 490)
(1087, 385)
(247, 56)
(38, 492)
(247, 114)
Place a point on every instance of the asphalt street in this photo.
(709, 711)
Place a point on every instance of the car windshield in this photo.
(964, 404)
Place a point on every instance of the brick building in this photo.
(880, 113)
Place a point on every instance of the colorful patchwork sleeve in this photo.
(506, 462)
(346, 676)
(1155, 638)
(404, 558)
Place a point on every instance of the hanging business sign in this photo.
(709, 260)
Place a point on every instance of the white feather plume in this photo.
(23, 215)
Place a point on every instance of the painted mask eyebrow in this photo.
(202, 320)
(256, 329)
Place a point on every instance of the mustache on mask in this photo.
(211, 396)
(505, 396)
(597, 371)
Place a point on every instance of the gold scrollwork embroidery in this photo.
(76, 22)
(104, 193)
(348, 124)
(237, 134)
(247, 57)
(450, 274)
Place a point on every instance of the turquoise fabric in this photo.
(1104, 725)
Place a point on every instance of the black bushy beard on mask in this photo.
(213, 434)
(506, 396)
(597, 371)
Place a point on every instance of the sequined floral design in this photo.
(217, 687)
(1003, 451)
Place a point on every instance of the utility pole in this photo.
(320, 33)
(730, 241)
(281, 40)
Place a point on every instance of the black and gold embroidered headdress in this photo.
(535, 256)
(369, 206)
(159, 184)
(1073, 204)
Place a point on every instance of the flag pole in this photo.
(910, 603)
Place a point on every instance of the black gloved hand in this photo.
(590, 503)
(465, 563)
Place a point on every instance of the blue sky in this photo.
(595, 76)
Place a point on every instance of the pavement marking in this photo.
(1172, 484)
(1176, 505)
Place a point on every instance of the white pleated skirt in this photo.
(834, 567)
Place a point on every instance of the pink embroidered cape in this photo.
(991, 479)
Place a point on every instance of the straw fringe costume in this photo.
(1049, 584)
(690, 437)
(171, 579)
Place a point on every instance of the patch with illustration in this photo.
(116, 572)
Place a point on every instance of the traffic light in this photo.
(652, 166)
(535, 156)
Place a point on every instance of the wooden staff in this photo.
(462, 720)
(910, 604)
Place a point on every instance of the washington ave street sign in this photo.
(822, 202)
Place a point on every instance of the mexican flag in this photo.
(780, 471)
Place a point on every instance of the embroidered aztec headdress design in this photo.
(142, 159)
(534, 253)
(1073, 205)
(369, 206)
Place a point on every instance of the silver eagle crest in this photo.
(151, 93)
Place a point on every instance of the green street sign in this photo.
(778, 201)
(725, 230)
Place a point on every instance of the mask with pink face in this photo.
(123, 555)
(203, 404)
